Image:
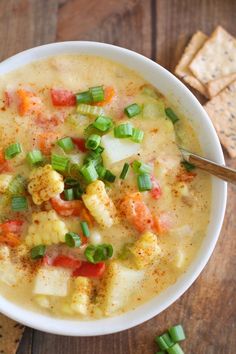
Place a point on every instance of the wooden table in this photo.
(160, 30)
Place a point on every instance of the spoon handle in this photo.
(225, 173)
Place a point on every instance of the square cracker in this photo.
(222, 111)
(216, 58)
(217, 85)
(10, 335)
(182, 69)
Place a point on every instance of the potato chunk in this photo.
(53, 281)
(118, 285)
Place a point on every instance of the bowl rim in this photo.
(132, 318)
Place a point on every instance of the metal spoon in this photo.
(225, 173)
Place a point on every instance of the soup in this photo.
(99, 212)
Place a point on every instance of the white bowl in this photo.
(180, 96)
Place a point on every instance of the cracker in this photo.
(182, 69)
(215, 86)
(10, 335)
(216, 58)
(222, 111)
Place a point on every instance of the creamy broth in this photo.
(149, 255)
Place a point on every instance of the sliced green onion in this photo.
(94, 158)
(89, 172)
(123, 131)
(71, 182)
(140, 167)
(144, 182)
(17, 185)
(73, 170)
(188, 166)
(103, 123)
(69, 194)
(101, 170)
(19, 203)
(78, 191)
(34, 157)
(84, 97)
(72, 239)
(97, 93)
(177, 333)
(109, 176)
(175, 349)
(164, 341)
(85, 228)
(59, 163)
(66, 144)
(90, 110)
(124, 171)
(12, 150)
(137, 135)
(171, 115)
(99, 150)
(95, 254)
(132, 110)
(38, 251)
(93, 142)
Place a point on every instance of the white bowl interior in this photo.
(183, 99)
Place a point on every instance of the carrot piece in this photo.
(162, 223)
(10, 239)
(46, 140)
(67, 208)
(109, 93)
(136, 212)
(86, 216)
(28, 102)
(4, 165)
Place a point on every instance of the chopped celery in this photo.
(90, 110)
(149, 91)
(153, 110)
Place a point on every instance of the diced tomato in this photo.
(136, 212)
(90, 270)
(10, 239)
(109, 93)
(66, 262)
(46, 140)
(80, 143)
(11, 226)
(156, 189)
(185, 176)
(28, 102)
(67, 208)
(61, 97)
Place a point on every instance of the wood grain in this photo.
(159, 29)
(123, 23)
(25, 24)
